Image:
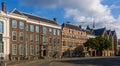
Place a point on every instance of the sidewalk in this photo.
(26, 62)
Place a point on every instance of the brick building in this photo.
(118, 47)
(72, 37)
(26, 36)
(90, 34)
(111, 35)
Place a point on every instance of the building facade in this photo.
(118, 47)
(90, 34)
(111, 35)
(26, 36)
(72, 37)
(103, 32)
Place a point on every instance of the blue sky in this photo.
(49, 13)
(57, 12)
(78, 12)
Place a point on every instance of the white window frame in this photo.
(13, 35)
(21, 25)
(14, 22)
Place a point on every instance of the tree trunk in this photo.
(99, 53)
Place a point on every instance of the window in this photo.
(37, 29)
(71, 31)
(37, 49)
(1, 27)
(50, 30)
(58, 32)
(21, 36)
(21, 49)
(14, 35)
(64, 43)
(54, 31)
(1, 37)
(21, 25)
(50, 40)
(71, 44)
(58, 41)
(31, 38)
(44, 30)
(26, 27)
(50, 47)
(81, 33)
(14, 49)
(14, 24)
(44, 39)
(37, 39)
(54, 40)
(1, 47)
(31, 49)
(32, 28)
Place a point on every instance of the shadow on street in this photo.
(95, 61)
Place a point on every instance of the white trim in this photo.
(11, 15)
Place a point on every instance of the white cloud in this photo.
(85, 11)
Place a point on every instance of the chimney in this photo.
(4, 7)
(55, 19)
(68, 22)
(80, 26)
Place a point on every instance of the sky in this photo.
(104, 13)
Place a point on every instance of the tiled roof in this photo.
(99, 31)
(30, 16)
(68, 25)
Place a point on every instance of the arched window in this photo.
(1, 27)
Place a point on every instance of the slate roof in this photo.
(30, 16)
(68, 25)
(17, 12)
(89, 32)
(39, 18)
(112, 32)
(99, 31)
(108, 32)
